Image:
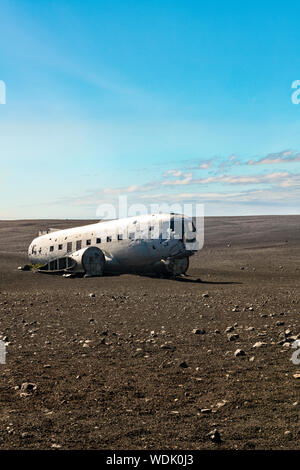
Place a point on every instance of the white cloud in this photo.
(287, 156)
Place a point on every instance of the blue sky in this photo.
(165, 101)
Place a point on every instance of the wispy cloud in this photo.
(286, 156)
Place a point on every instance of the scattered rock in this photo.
(28, 388)
(215, 436)
(239, 352)
(183, 364)
(220, 404)
(229, 329)
(233, 337)
(259, 344)
(198, 331)
(205, 410)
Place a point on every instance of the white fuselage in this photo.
(131, 242)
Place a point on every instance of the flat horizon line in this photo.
(97, 219)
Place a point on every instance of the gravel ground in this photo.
(148, 363)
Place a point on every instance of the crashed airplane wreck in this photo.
(156, 243)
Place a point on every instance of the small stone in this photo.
(92, 294)
(198, 331)
(215, 436)
(205, 410)
(220, 404)
(28, 387)
(239, 352)
(183, 364)
(205, 295)
(233, 337)
(297, 375)
(259, 344)
(229, 329)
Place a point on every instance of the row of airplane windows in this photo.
(88, 243)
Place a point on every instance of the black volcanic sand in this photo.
(108, 368)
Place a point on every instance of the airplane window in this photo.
(60, 247)
(109, 239)
(69, 247)
(78, 245)
(88, 242)
(98, 240)
(120, 236)
(52, 248)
